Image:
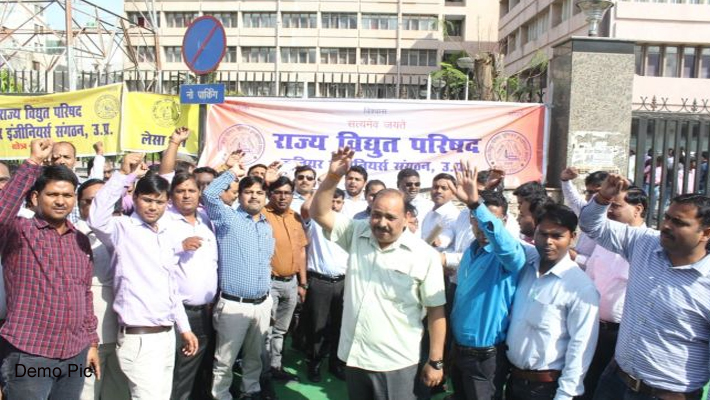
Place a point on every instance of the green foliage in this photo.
(8, 83)
(453, 80)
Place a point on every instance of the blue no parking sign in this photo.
(203, 45)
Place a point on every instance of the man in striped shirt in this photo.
(662, 350)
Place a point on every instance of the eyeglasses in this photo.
(306, 177)
(412, 184)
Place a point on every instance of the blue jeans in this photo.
(611, 386)
(30, 377)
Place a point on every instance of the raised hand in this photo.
(133, 164)
(568, 174)
(467, 189)
(272, 171)
(494, 178)
(234, 158)
(40, 150)
(180, 135)
(613, 185)
(99, 148)
(340, 161)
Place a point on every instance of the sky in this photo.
(55, 14)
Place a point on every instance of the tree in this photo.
(8, 82)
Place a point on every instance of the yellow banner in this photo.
(82, 118)
(149, 119)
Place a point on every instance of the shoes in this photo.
(337, 371)
(278, 374)
(314, 372)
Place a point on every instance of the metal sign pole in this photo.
(202, 123)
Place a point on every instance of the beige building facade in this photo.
(336, 48)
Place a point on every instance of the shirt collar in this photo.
(270, 208)
(445, 208)
(561, 268)
(41, 223)
(241, 212)
(176, 215)
(137, 221)
(406, 239)
(702, 265)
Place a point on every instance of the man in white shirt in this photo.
(610, 273)
(438, 225)
(304, 179)
(409, 183)
(355, 181)
(554, 322)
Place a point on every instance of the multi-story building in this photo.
(672, 42)
(22, 31)
(335, 48)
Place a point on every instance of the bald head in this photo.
(387, 216)
(4, 175)
(64, 153)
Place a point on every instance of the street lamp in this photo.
(467, 64)
(594, 10)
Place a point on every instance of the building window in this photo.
(420, 22)
(339, 20)
(454, 26)
(298, 55)
(259, 20)
(142, 19)
(230, 54)
(378, 91)
(258, 54)
(145, 53)
(179, 19)
(228, 19)
(419, 58)
(299, 20)
(670, 65)
(537, 26)
(173, 54)
(704, 63)
(378, 56)
(512, 42)
(689, 58)
(337, 56)
(35, 66)
(338, 90)
(250, 88)
(653, 61)
(291, 89)
(638, 55)
(379, 21)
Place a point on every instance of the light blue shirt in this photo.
(245, 245)
(665, 329)
(555, 322)
(487, 279)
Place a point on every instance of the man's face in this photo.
(258, 171)
(441, 193)
(186, 197)
(150, 207)
(410, 186)
(387, 219)
(87, 197)
(281, 197)
(412, 222)
(63, 154)
(681, 232)
(477, 232)
(526, 220)
(591, 190)
(354, 182)
(305, 182)
(337, 204)
(230, 194)
(552, 241)
(108, 170)
(55, 201)
(623, 212)
(370, 195)
(252, 199)
(4, 175)
(204, 179)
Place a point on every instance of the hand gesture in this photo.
(133, 164)
(92, 360)
(494, 178)
(467, 189)
(272, 172)
(340, 161)
(99, 148)
(40, 150)
(613, 185)
(431, 376)
(180, 135)
(189, 344)
(192, 243)
(569, 174)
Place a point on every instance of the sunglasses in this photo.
(306, 177)
(412, 184)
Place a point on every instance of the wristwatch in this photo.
(304, 286)
(437, 365)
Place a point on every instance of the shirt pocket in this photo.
(547, 317)
(399, 285)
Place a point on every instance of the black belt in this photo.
(281, 278)
(484, 352)
(638, 386)
(327, 278)
(142, 330)
(197, 308)
(258, 300)
(608, 326)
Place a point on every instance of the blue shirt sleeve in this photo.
(216, 209)
(506, 248)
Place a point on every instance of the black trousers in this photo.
(324, 313)
(518, 389)
(192, 376)
(479, 377)
(603, 355)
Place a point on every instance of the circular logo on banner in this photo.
(107, 106)
(509, 151)
(166, 112)
(242, 137)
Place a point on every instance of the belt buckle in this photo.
(635, 384)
